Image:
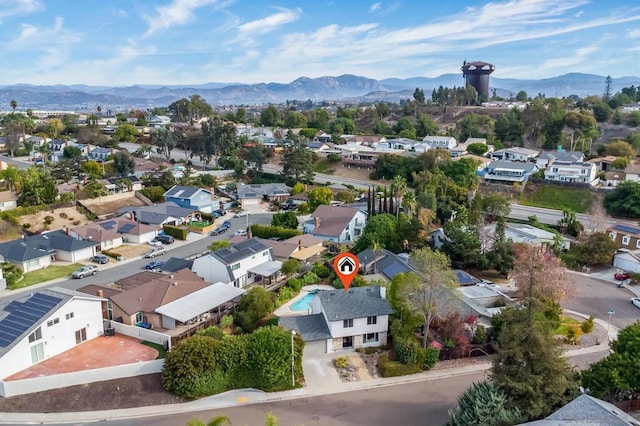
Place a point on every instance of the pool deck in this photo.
(286, 311)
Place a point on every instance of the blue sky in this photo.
(125, 42)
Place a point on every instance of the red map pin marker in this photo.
(346, 266)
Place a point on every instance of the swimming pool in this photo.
(303, 304)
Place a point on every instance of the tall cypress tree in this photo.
(369, 203)
(386, 206)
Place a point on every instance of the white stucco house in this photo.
(336, 224)
(572, 171)
(443, 142)
(46, 323)
(247, 262)
(341, 319)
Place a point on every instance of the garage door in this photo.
(250, 202)
(626, 264)
(319, 347)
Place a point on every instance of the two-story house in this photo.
(549, 157)
(442, 142)
(344, 319)
(252, 195)
(192, 197)
(239, 265)
(337, 224)
(42, 324)
(502, 171)
(627, 237)
(100, 154)
(571, 171)
(514, 154)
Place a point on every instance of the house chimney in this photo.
(316, 221)
(68, 230)
(299, 245)
(101, 294)
(249, 234)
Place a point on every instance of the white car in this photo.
(636, 301)
(155, 243)
(241, 213)
(241, 232)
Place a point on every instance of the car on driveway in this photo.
(153, 265)
(636, 301)
(155, 243)
(84, 271)
(621, 276)
(165, 239)
(156, 251)
(241, 213)
(100, 258)
(241, 232)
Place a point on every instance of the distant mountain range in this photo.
(344, 87)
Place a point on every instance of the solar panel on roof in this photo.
(109, 224)
(393, 270)
(127, 227)
(626, 228)
(23, 315)
(464, 278)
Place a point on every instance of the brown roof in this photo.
(8, 196)
(158, 291)
(615, 176)
(607, 159)
(127, 283)
(333, 219)
(284, 249)
(95, 232)
(93, 289)
(632, 169)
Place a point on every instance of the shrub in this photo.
(334, 158)
(341, 362)
(389, 368)
(480, 335)
(63, 215)
(48, 220)
(295, 284)
(226, 321)
(284, 294)
(431, 357)
(587, 325)
(266, 231)
(254, 305)
(213, 332)
(174, 231)
(11, 273)
(76, 222)
(321, 270)
(406, 351)
(111, 253)
(573, 335)
(310, 278)
(26, 225)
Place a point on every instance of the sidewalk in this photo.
(607, 276)
(253, 396)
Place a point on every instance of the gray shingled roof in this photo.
(586, 410)
(37, 246)
(358, 302)
(260, 190)
(174, 264)
(240, 250)
(183, 191)
(310, 327)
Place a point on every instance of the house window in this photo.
(139, 317)
(53, 322)
(612, 235)
(347, 342)
(81, 335)
(625, 240)
(372, 320)
(370, 338)
(33, 263)
(109, 309)
(36, 335)
(265, 253)
(69, 315)
(638, 244)
(348, 323)
(235, 266)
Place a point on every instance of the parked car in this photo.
(221, 212)
(154, 243)
(226, 224)
(219, 230)
(84, 271)
(241, 213)
(636, 301)
(621, 276)
(100, 258)
(241, 232)
(216, 214)
(153, 265)
(156, 251)
(165, 239)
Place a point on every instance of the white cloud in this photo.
(179, 12)
(19, 7)
(635, 33)
(375, 6)
(269, 23)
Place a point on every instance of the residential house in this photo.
(344, 319)
(100, 154)
(525, 233)
(39, 251)
(573, 172)
(123, 184)
(383, 263)
(113, 233)
(465, 279)
(247, 262)
(442, 142)
(360, 159)
(514, 154)
(159, 214)
(401, 143)
(323, 137)
(144, 292)
(603, 164)
(482, 162)
(317, 146)
(503, 171)
(627, 260)
(483, 301)
(174, 264)
(462, 149)
(627, 237)
(630, 173)
(366, 140)
(304, 247)
(45, 323)
(192, 197)
(613, 179)
(252, 195)
(336, 223)
(8, 200)
(587, 411)
(549, 157)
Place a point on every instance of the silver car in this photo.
(156, 251)
(84, 271)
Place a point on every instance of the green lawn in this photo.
(200, 224)
(555, 197)
(46, 274)
(565, 323)
(322, 166)
(162, 353)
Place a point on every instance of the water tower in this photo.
(477, 75)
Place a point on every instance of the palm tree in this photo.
(28, 145)
(44, 151)
(377, 248)
(398, 188)
(409, 202)
(11, 178)
(14, 104)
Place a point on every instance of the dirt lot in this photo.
(111, 204)
(62, 217)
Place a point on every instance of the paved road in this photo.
(132, 267)
(20, 162)
(324, 178)
(551, 217)
(596, 297)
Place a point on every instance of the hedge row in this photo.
(389, 368)
(174, 231)
(111, 253)
(266, 231)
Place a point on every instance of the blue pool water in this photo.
(303, 304)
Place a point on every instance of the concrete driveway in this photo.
(319, 373)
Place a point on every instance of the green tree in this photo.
(484, 403)
(426, 126)
(125, 133)
(463, 172)
(294, 119)
(607, 89)
(256, 304)
(319, 195)
(270, 116)
(463, 246)
(601, 112)
(298, 188)
(216, 421)
(217, 245)
(37, 188)
(431, 295)
(522, 96)
(398, 188)
(495, 206)
(218, 139)
(287, 220)
(94, 189)
(269, 355)
(72, 152)
(297, 162)
(620, 149)
(124, 163)
(165, 141)
(478, 148)
(290, 267)
(256, 158)
(13, 104)
(597, 249)
(570, 223)
(624, 201)
(382, 228)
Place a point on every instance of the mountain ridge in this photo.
(329, 88)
